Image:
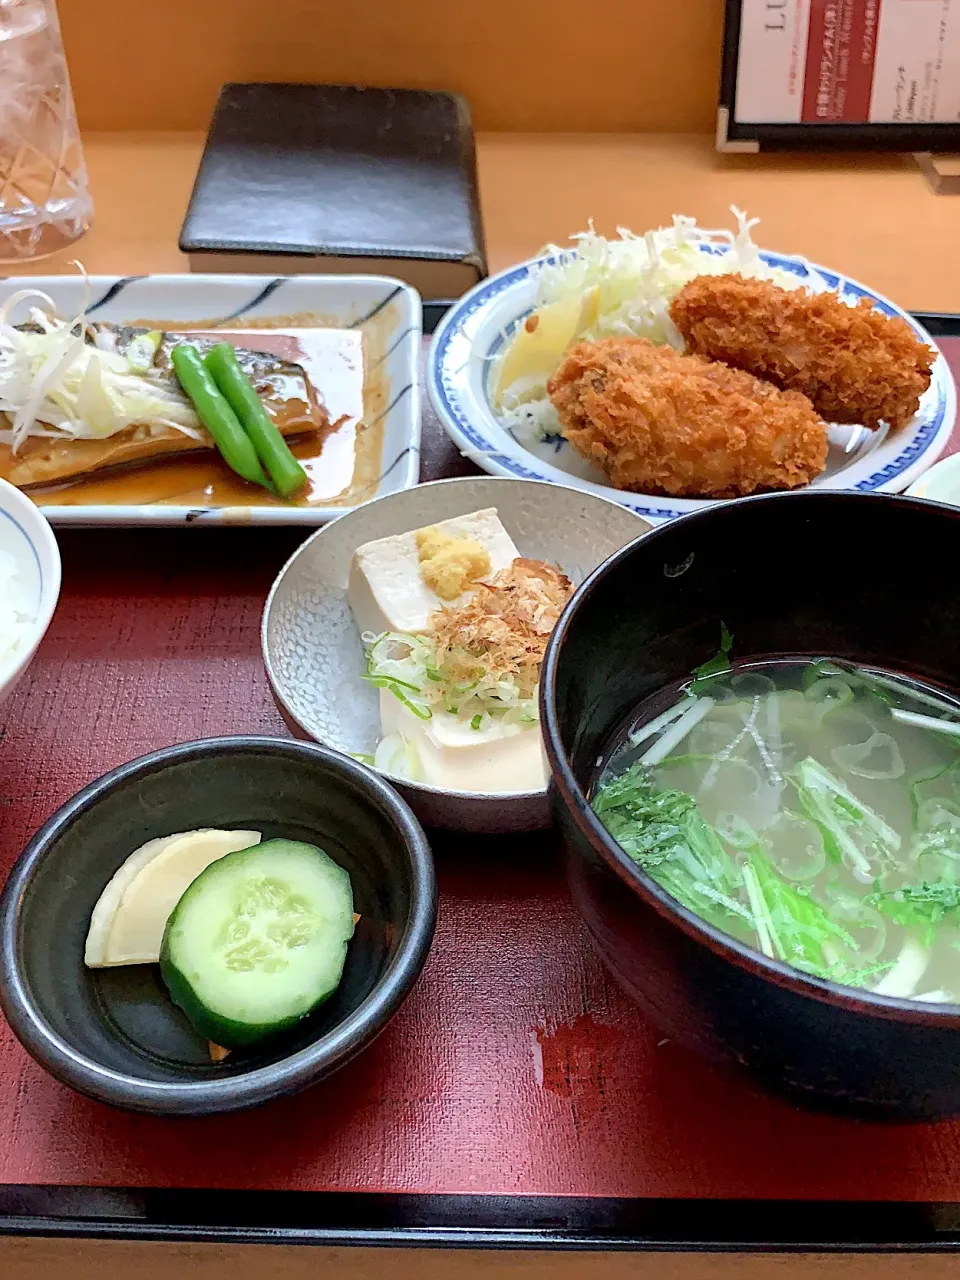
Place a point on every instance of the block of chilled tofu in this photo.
(393, 581)
(457, 757)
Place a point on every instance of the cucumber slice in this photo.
(258, 941)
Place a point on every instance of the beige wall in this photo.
(631, 65)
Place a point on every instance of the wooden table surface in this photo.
(591, 1087)
(873, 218)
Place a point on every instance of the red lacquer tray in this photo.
(517, 1097)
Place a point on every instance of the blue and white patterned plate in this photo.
(386, 449)
(473, 332)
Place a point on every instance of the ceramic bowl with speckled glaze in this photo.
(312, 648)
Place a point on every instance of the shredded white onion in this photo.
(55, 384)
(398, 757)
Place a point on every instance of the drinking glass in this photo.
(44, 201)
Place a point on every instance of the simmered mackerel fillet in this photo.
(284, 388)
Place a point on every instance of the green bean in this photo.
(272, 450)
(216, 415)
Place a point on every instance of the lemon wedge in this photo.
(541, 343)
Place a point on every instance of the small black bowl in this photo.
(864, 577)
(114, 1034)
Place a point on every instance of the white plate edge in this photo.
(154, 515)
(895, 485)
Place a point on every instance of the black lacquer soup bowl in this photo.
(869, 578)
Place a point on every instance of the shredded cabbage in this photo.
(54, 383)
(534, 422)
(636, 277)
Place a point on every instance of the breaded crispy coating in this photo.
(855, 364)
(655, 421)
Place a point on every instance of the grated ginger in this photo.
(449, 565)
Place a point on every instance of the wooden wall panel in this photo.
(631, 65)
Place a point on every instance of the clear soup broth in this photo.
(810, 809)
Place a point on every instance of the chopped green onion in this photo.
(142, 351)
(829, 689)
(396, 756)
(390, 682)
(878, 758)
(693, 757)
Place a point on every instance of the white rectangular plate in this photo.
(385, 311)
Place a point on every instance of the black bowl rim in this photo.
(261, 1084)
(627, 871)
